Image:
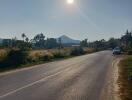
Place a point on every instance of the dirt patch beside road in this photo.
(111, 88)
(116, 76)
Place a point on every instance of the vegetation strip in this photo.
(24, 58)
(125, 78)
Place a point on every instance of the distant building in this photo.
(75, 45)
(7, 42)
(66, 40)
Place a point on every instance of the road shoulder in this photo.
(116, 77)
(111, 87)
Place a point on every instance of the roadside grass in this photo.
(3, 54)
(14, 59)
(125, 78)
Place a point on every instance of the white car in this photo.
(116, 51)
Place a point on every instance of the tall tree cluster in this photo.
(125, 42)
(39, 41)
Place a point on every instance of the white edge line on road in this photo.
(21, 69)
(116, 75)
(29, 85)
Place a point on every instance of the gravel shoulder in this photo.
(111, 88)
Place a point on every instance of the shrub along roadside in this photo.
(77, 51)
(17, 58)
(125, 78)
(14, 59)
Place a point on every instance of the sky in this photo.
(92, 19)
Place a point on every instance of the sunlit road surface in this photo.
(79, 78)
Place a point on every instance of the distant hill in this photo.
(66, 40)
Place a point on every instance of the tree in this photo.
(112, 42)
(14, 42)
(39, 40)
(126, 40)
(27, 39)
(23, 36)
(60, 43)
(51, 43)
(84, 43)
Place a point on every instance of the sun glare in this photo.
(70, 1)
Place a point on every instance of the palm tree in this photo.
(23, 36)
(27, 39)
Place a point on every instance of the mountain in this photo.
(66, 40)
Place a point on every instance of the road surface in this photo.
(78, 78)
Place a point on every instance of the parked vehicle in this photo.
(117, 51)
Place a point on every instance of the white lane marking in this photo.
(23, 69)
(29, 85)
(36, 82)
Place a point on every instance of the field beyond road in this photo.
(80, 78)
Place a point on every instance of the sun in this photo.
(70, 1)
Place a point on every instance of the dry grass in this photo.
(125, 78)
(3, 54)
(89, 50)
(37, 55)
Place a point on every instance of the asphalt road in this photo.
(79, 78)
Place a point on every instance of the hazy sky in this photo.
(92, 19)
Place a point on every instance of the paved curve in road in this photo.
(78, 78)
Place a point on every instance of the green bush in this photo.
(15, 58)
(59, 55)
(77, 51)
(129, 52)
